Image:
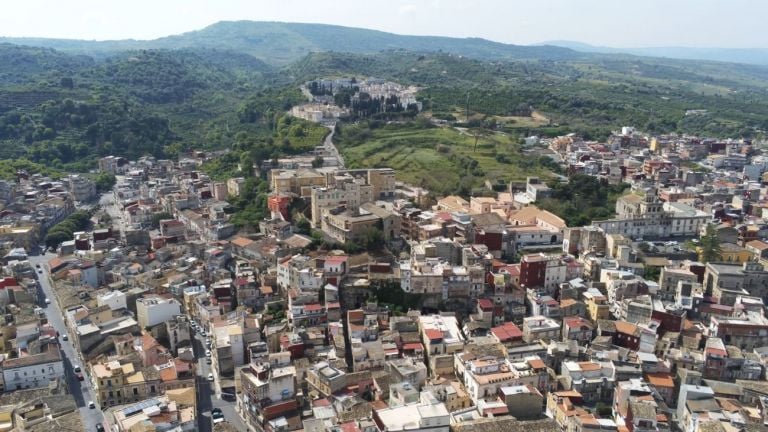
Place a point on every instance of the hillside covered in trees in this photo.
(62, 110)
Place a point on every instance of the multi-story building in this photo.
(117, 382)
(151, 311)
(298, 182)
(348, 226)
(727, 281)
(268, 391)
(81, 189)
(427, 415)
(442, 338)
(540, 328)
(593, 380)
(326, 379)
(746, 333)
(348, 194)
(647, 216)
(34, 370)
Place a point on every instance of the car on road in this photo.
(37, 265)
(202, 333)
(77, 368)
(207, 353)
(47, 301)
(217, 416)
(99, 427)
(80, 376)
(210, 377)
(40, 271)
(91, 405)
(65, 337)
(208, 360)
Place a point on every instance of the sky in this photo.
(615, 23)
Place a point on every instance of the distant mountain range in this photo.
(756, 56)
(282, 43)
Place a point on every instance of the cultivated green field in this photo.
(444, 160)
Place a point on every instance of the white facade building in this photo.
(33, 371)
(114, 299)
(151, 311)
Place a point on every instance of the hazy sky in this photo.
(618, 23)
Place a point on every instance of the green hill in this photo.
(220, 88)
(280, 43)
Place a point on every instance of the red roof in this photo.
(416, 346)
(321, 402)
(433, 334)
(507, 332)
(313, 307)
(336, 259)
(513, 270)
(485, 304)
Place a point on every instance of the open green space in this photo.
(442, 159)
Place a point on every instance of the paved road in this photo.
(330, 147)
(109, 205)
(207, 398)
(80, 390)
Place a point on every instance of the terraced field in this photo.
(444, 160)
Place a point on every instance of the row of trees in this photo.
(64, 230)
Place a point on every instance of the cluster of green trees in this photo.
(582, 199)
(104, 181)
(64, 230)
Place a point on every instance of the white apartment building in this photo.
(33, 371)
(114, 299)
(151, 311)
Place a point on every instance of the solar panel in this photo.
(141, 406)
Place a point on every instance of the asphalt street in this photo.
(81, 391)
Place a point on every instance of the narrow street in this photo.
(207, 397)
(81, 391)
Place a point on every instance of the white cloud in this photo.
(406, 9)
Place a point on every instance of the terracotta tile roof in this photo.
(626, 328)
(507, 332)
(537, 363)
(589, 366)
(241, 242)
(433, 334)
(660, 380)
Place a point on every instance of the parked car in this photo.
(207, 353)
(80, 376)
(217, 416)
(99, 427)
(47, 301)
(65, 337)
(91, 405)
(210, 377)
(208, 360)
(77, 368)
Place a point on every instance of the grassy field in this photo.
(444, 160)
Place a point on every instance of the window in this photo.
(135, 391)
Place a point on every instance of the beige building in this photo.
(299, 182)
(347, 226)
(118, 383)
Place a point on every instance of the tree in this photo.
(157, 217)
(303, 226)
(105, 181)
(709, 246)
(55, 238)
